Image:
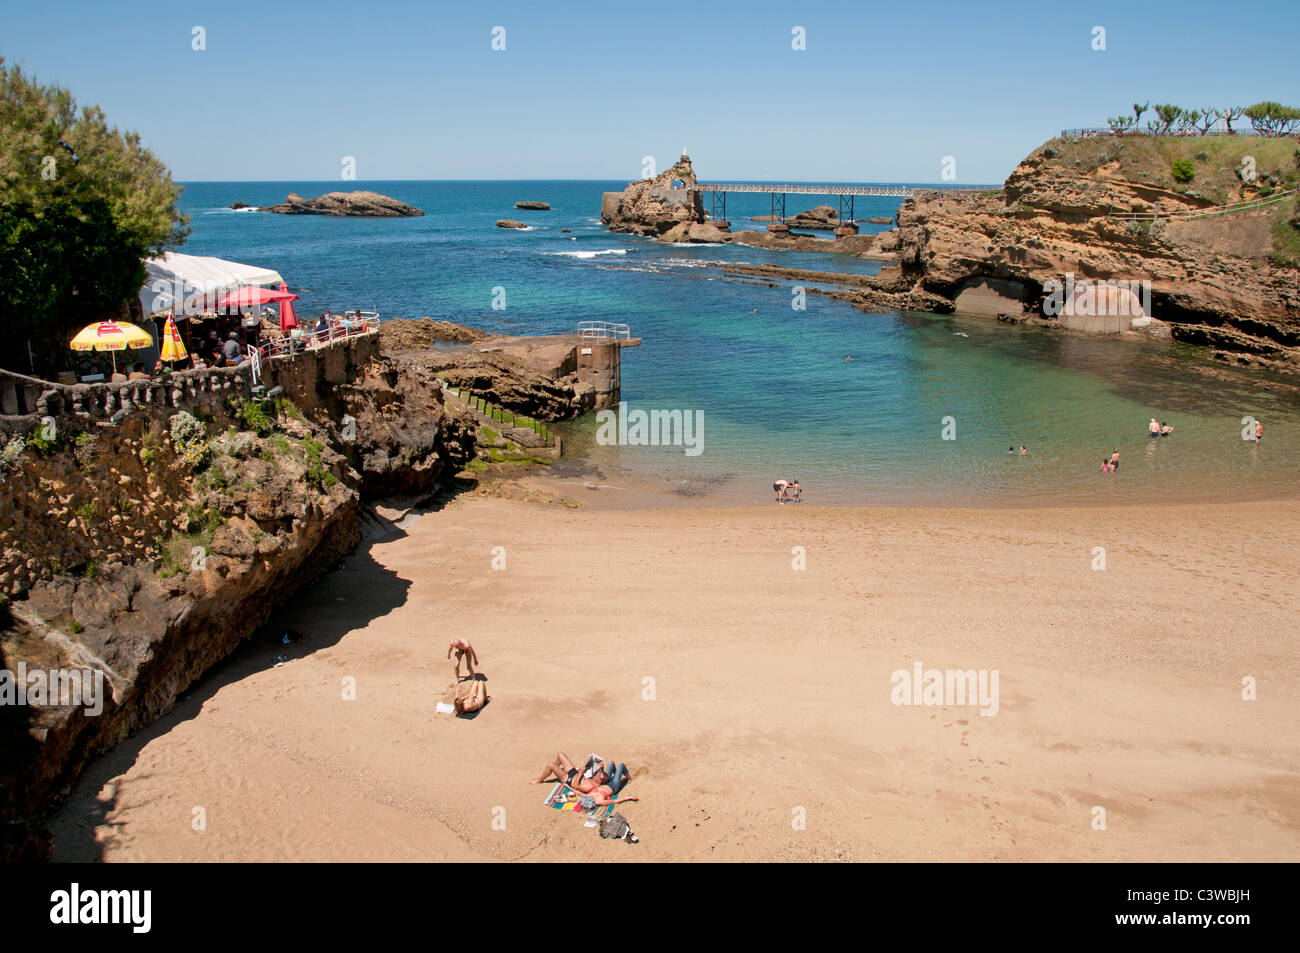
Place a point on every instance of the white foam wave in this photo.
(590, 254)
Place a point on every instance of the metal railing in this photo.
(895, 191)
(1155, 215)
(603, 329)
(309, 340)
(1093, 132)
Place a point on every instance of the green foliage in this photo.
(86, 510)
(284, 407)
(252, 415)
(45, 446)
(190, 440)
(72, 232)
(1183, 170)
(317, 474)
(76, 627)
(1273, 119)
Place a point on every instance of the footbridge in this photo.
(844, 193)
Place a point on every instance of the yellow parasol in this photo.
(173, 348)
(111, 336)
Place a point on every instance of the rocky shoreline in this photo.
(202, 538)
(338, 204)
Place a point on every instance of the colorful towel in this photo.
(563, 799)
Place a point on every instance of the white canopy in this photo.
(191, 284)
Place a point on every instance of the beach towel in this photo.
(563, 799)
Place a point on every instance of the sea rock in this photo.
(239, 205)
(510, 223)
(655, 206)
(362, 203)
(820, 217)
(525, 436)
(409, 334)
(533, 206)
(880, 220)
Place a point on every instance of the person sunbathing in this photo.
(562, 770)
(475, 700)
(464, 651)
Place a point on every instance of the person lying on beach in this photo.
(563, 770)
(475, 700)
(464, 651)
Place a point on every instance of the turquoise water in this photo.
(777, 397)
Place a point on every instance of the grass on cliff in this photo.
(1286, 235)
(1216, 159)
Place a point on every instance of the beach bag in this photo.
(616, 827)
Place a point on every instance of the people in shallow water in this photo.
(1154, 428)
(1023, 451)
(1105, 465)
(1165, 429)
(1114, 460)
(1259, 430)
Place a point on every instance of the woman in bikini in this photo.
(475, 700)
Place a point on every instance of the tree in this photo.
(1188, 120)
(1121, 124)
(1228, 115)
(1138, 110)
(1273, 119)
(1208, 117)
(81, 204)
(1167, 115)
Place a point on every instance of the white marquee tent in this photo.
(191, 284)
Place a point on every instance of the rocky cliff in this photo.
(362, 203)
(654, 206)
(1229, 281)
(147, 551)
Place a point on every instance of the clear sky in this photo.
(414, 90)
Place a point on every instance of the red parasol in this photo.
(252, 296)
(288, 320)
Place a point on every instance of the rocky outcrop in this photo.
(821, 217)
(510, 223)
(533, 206)
(362, 203)
(409, 334)
(1219, 281)
(880, 220)
(237, 518)
(654, 206)
(705, 233)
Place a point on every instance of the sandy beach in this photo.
(748, 695)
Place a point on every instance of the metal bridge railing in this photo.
(603, 329)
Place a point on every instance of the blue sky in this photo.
(414, 90)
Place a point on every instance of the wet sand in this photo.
(748, 695)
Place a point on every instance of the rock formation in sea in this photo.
(1229, 281)
(533, 206)
(880, 220)
(510, 223)
(362, 203)
(656, 205)
(821, 217)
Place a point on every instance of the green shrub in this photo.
(42, 444)
(252, 415)
(284, 407)
(76, 627)
(86, 510)
(1183, 170)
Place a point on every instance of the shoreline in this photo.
(771, 692)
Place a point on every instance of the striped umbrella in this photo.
(111, 336)
(173, 348)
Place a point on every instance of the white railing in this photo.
(1203, 212)
(311, 339)
(603, 329)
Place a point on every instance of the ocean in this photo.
(923, 414)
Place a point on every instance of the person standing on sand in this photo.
(464, 651)
(1114, 460)
(1259, 430)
